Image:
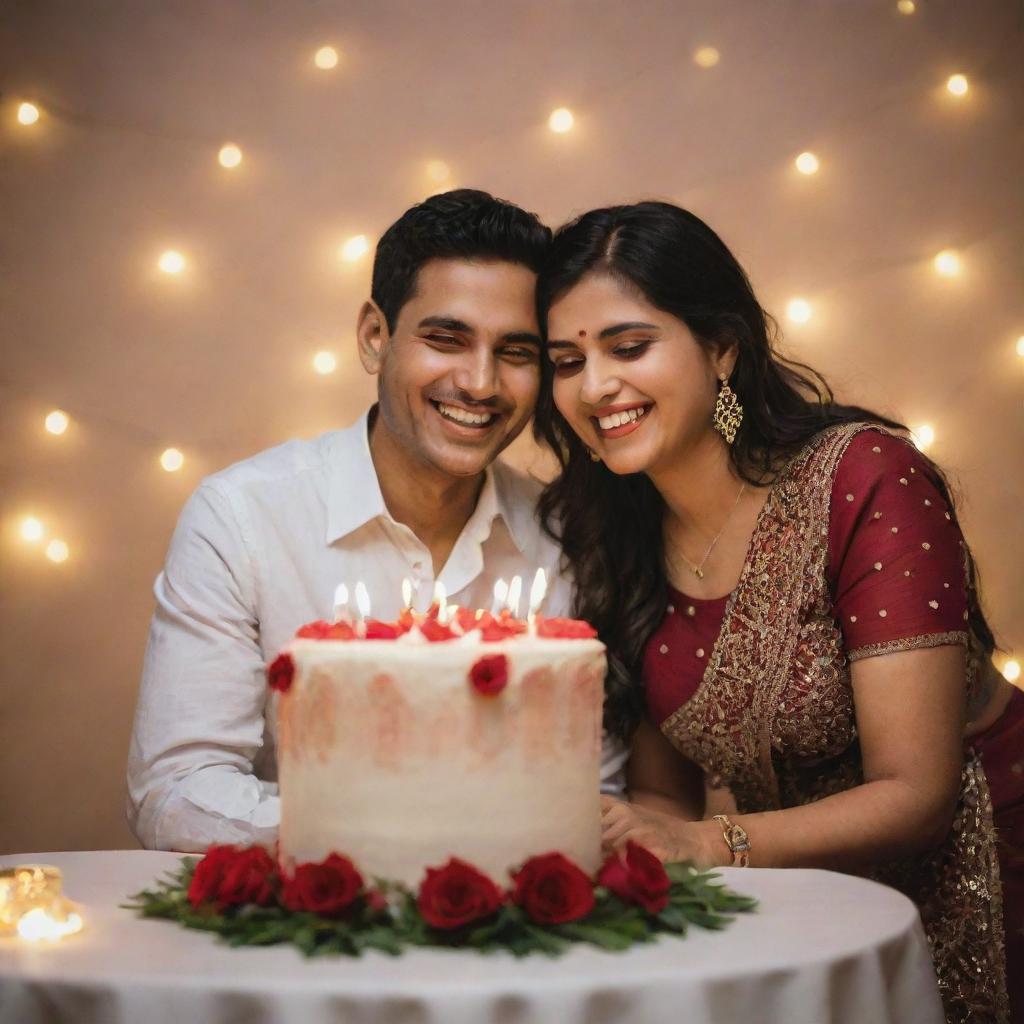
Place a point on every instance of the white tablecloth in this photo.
(822, 948)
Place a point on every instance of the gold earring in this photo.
(728, 411)
(594, 457)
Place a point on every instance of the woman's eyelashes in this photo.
(571, 362)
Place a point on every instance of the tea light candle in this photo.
(32, 904)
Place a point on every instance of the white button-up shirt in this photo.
(258, 551)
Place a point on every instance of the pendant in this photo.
(699, 573)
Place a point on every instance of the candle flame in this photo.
(441, 600)
(500, 595)
(514, 590)
(362, 600)
(407, 593)
(39, 925)
(538, 591)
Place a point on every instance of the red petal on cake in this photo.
(489, 675)
(377, 630)
(280, 673)
(341, 631)
(467, 618)
(317, 630)
(435, 631)
(565, 629)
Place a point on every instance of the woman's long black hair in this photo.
(609, 526)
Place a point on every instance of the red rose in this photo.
(553, 890)
(565, 629)
(228, 876)
(639, 878)
(328, 888)
(457, 894)
(436, 631)
(281, 672)
(340, 630)
(378, 630)
(468, 620)
(317, 630)
(489, 675)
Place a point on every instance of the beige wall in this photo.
(138, 98)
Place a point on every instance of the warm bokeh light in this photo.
(438, 172)
(57, 422)
(561, 120)
(1011, 670)
(957, 85)
(172, 460)
(706, 57)
(171, 262)
(798, 310)
(355, 248)
(39, 925)
(326, 58)
(947, 263)
(57, 551)
(807, 163)
(325, 362)
(906, 6)
(230, 155)
(31, 529)
(28, 113)
(1020, 346)
(924, 436)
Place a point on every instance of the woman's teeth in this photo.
(471, 419)
(618, 419)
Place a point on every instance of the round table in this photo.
(822, 947)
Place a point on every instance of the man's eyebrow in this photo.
(561, 344)
(610, 332)
(448, 323)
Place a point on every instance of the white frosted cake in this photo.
(401, 753)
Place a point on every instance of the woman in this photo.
(795, 638)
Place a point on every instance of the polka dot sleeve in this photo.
(896, 564)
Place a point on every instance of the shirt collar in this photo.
(355, 498)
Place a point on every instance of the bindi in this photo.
(583, 334)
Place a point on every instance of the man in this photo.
(412, 490)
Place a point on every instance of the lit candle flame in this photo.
(362, 600)
(538, 591)
(406, 594)
(441, 600)
(514, 590)
(39, 925)
(500, 594)
(340, 601)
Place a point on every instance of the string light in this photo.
(947, 263)
(807, 163)
(172, 460)
(798, 310)
(31, 529)
(561, 120)
(229, 156)
(1011, 670)
(355, 248)
(171, 262)
(326, 58)
(957, 85)
(706, 57)
(1020, 346)
(57, 422)
(906, 6)
(57, 551)
(438, 171)
(924, 437)
(28, 113)
(325, 362)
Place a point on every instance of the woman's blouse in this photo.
(895, 572)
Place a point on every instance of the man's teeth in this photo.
(473, 419)
(617, 419)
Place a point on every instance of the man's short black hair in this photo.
(464, 224)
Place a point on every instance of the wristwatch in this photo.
(736, 839)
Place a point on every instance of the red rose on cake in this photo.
(456, 894)
(280, 673)
(327, 888)
(565, 629)
(553, 890)
(228, 876)
(637, 877)
(489, 675)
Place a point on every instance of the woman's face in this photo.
(630, 379)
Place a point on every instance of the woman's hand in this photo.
(668, 837)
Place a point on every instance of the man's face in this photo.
(460, 372)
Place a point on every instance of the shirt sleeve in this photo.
(896, 558)
(200, 715)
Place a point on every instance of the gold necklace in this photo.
(698, 568)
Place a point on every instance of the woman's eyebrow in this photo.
(610, 332)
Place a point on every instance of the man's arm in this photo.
(200, 715)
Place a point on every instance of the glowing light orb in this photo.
(31, 529)
(438, 171)
(807, 163)
(355, 248)
(172, 460)
(561, 120)
(229, 156)
(325, 362)
(947, 263)
(957, 85)
(906, 6)
(1011, 671)
(326, 58)
(924, 436)
(171, 262)
(57, 422)
(706, 57)
(28, 113)
(57, 551)
(798, 310)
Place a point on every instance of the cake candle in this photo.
(362, 602)
(500, 595)
(341, 608)
(514, 590)
(406, 594)
(538, 591)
